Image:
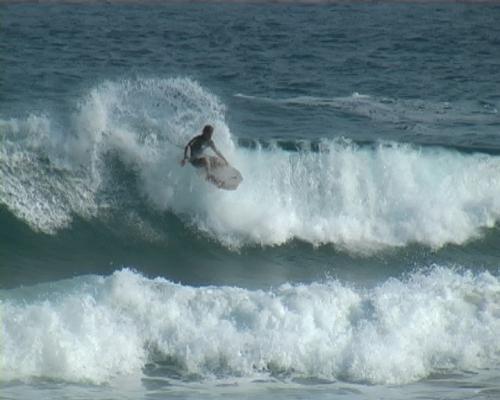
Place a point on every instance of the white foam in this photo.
(40, 183)
(50, 173)
(358, 198)
(98, 329)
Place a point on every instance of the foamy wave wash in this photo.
(94, 329)
(358, 198)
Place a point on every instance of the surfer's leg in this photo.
(215, 181)
(203, 162)
(209, 176)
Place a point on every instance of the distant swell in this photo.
(98, 328)
(120, 155)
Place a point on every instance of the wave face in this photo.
(119, 154)
(94, 329)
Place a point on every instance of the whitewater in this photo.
(357, 197)
(397, 333)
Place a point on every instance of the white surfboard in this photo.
(222, 175)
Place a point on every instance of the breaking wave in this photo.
(120, 153)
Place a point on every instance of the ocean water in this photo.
(359, 258)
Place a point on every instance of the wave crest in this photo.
(121, 155)
(95, 329)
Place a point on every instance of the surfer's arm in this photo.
(188, 147)
(216, 151)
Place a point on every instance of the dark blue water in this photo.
(360, 256)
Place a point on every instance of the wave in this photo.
(53, 171)
(119, 155)
(94, 329)
(385, 109)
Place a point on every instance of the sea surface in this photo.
(359, 258)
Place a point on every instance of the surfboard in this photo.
(222, 175)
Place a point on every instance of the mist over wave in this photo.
(94, 329)
(119, 154)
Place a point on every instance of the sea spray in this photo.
(361, 198)
(121, 154)
(98, 328)
(52, 171)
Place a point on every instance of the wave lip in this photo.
(96, 329)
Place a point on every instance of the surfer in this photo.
(194, 150)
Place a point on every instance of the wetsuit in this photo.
(197, 146)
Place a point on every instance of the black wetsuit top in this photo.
(198, 145)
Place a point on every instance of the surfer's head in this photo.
(208, 130)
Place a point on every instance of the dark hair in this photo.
(208, 130)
